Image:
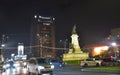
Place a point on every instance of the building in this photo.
(115, 38)
(111, 45)
(114, 35)
(98, 49)
(42, 39)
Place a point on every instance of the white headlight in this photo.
(7, 65)
(24, 63)
(14, 64)
(50, 63)
(41, 67)
(4, 66)
(52, 66)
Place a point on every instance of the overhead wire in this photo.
(36, 46)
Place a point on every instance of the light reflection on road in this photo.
(18, 70)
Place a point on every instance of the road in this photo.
(68, 70)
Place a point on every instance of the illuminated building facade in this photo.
(42, 36)
(111, 45)
(99, 49)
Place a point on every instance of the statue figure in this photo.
(74, 30)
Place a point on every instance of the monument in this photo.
(75, 52)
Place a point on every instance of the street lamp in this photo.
(60, 52)
(40, 43)
(113, 44)
(3, 40)
(2, 46)
(65, 45)
(115, 48)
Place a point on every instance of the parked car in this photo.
(57, 63)
(118, 60)
(90, 62)
(109, 62)
(39, 66)
(2, 66)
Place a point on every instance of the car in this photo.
(9, 64)
(2, 69)
(110, 62)
(39, 66)
(24, 64)
(21, 63)
(57, 63)
(118, 60)
(90, 62)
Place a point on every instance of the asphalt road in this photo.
(68, 70)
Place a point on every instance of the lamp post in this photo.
(40, 43)
(65, 45)
(60, 51)
(2, 47)
(115, 49)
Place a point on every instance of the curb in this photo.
(89, 70)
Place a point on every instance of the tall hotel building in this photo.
(42, 38)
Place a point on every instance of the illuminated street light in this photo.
(113, 44)
(3, 45)
(115, 49)
(3, 40)
(40, 43)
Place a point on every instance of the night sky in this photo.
(94, 18)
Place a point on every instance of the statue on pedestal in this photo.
(74, 53)
(75, 43)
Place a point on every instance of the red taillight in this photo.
(111, 56)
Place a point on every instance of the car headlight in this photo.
(50, 62)
(16, 64)
(24, 63)
(52, 66)
(7, 65)
(41, 67)
(4, 66)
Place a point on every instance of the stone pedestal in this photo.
(74, 56)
